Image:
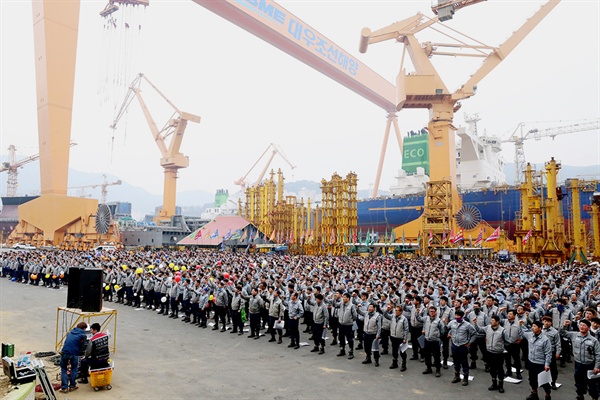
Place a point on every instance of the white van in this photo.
(105, 247)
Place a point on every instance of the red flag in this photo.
(198, 234)
(444, 238)
(494, 236)
(526, 238)
(479, 239)
(459, 236)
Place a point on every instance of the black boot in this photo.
(501, 386)
(403, 367)
(341, 353)
(322, 351)
(394, 364)
(350, 354)
(456, 378)
(465, 381)
(376, 357)
(315, 349)
(367, 360)
(334, 342)
(494, 385)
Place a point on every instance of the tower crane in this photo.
(275, 150)
(518, 137)
(171, 158)
(103, 186)
(12, 166)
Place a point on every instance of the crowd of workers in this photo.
(450, 312)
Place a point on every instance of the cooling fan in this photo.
(103, 219)
(468, 217)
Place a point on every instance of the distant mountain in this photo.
(566, 172)
(142, 201)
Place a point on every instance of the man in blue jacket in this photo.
(72, 348)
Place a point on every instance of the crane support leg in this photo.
(169, 194)
(55, 31)
(442, 150)
(391, 119)
(54, 218)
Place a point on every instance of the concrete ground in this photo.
(161, 358)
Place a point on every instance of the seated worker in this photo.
(96, 353)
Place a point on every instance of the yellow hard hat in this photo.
(211, 297)
(176, 268)
(183, 268)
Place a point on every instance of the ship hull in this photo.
(497, 208)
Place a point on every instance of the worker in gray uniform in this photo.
(237, 305)
(371, 333)
(539, 355)
(495, 338)
(433, 329)
(398, 334)
(320, 321)
(276, 314)
(462, 335)
(255, 304)
(295, 312)
(552, 333)
(586, 353)
(346, 316)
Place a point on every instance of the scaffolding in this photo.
(292, 222)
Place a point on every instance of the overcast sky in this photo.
(249, 94)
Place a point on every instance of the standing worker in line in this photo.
(495, 338)
(433, 329)
(96, 353)
(540, 355)
(69, 355)
(295, 312)
(462, 334)
(371, 333)
(555, 340)
(398, 335)
(320, 320)
(586, 352)
(347, 315)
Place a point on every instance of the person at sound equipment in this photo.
(69, 355)
(96, 352)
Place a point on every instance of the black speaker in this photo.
(74, 288)
(91, 290)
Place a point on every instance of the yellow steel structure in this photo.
(553, 250)
(596, 229)
(172, 160)
(339, 213)
(577, 229)
(54, 218)
(323, 230)
(68, 318)
(437, 215)
(529, 218)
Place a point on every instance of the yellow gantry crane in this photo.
(425, 89)
(171, 158)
